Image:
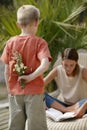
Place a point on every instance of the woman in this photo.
(71, 76)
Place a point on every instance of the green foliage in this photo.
(59, 25)
(6, 3)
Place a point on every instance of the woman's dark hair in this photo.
(71, 54)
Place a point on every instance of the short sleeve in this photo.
(5, 55)
(43, 50)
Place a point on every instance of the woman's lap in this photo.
(49, 100)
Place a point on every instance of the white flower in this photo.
(18, 70)
(21, 65)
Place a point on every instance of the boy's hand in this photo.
(25, 77)
(39, 71)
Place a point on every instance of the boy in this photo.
(27, 103)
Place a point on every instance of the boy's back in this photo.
(32, 49)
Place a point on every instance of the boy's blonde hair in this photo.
(26, 14)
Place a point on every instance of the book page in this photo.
(58, 115)
(67, 115)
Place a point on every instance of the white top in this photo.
(72, 89)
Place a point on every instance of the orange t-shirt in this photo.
(32, 49)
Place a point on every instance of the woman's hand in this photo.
(81, 111)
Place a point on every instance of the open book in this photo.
(58, 115)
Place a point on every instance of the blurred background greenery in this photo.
(63, 23)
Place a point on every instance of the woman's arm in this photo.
(50, 76)
(84, 74)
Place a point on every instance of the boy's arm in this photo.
(39, 71)
(6, 73)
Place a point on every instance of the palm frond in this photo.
(76, 12)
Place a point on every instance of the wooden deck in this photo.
(77, 124)
(4, 115)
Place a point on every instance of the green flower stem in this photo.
(22, 83)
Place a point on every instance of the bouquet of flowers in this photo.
(19, 67)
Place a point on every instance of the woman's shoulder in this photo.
(82, 68)
(84, 74)
(83, 71)
(59, 68)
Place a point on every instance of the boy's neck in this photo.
(26, 32)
